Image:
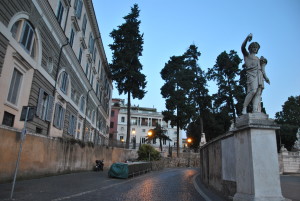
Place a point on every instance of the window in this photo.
(71, 37)
(112, 113)
(38, 130)
(82, 104)
(91, 43)
(164, 141)
(144, 130)
(93, 116)
(97, 89)
(154, 122)
(111, 124)
(23, 32)
(78, 8)
(60, 12)
(122, 128)
(133, 120)
(78, 132)
(45, 105)
(144, 122)
(154, 140)
(122, 138)
(8, 119)
(59, 116)
(143, 140)
(14, 87)
(72, 125)
(123, 119)
(99, 66)
(95, 55)
(27, 36)
(80, 55)
(64, 82)
(84, 21)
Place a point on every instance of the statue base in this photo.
(257, 168)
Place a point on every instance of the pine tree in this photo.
(126, 67)
(225, 73)
(179, 76)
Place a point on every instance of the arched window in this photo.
(63, 82)
(24, 33)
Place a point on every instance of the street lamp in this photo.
(149, 135)
(122, 140)
(189, 141)
(133, 139)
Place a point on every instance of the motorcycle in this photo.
(99, 165)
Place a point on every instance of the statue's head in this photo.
(254, 47)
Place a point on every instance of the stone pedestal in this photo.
(257, 169)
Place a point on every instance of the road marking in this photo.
(199, 190)
(87, 192)
(94, 190)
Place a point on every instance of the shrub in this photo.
(144, 151)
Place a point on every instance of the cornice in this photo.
(94, 24)
(50, 17)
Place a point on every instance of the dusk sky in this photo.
(171, 26)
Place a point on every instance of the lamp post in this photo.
(122, 140)
(133, 139)
(149, 135)
(189, 141)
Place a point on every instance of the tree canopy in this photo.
(126, 67)
(289, 120)
(179, 74)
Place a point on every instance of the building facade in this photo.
(142, 120)
(52, 59)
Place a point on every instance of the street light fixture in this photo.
(133, 139)
(189, 141)
(149, 135)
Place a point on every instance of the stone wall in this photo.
(42, 156)
(217, 165)
(289, 162)
(185, 160)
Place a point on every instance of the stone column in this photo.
(257, 168)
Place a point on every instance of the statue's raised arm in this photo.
(248, 39)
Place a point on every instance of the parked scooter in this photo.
(99, 165)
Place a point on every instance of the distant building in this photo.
(52, 58)
(142, 120)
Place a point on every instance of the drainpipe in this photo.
(56, 77)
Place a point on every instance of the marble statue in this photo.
(256, 75)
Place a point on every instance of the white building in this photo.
(142, 120)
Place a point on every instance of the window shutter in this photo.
(50, 108)
(79, 8)
(39, 104)
(75, 4)
(67, 84)
(56, 113)
(70, 124)
(62, 118)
